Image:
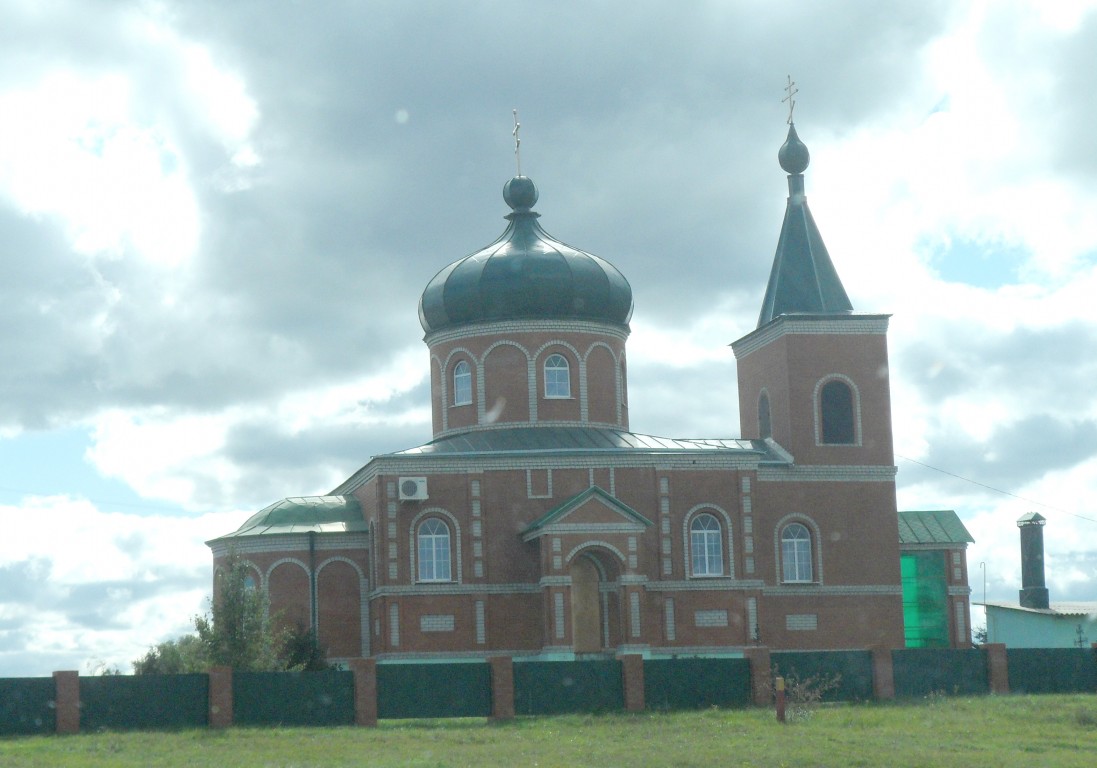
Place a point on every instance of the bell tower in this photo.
(813, 375)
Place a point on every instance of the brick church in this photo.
(535, 523)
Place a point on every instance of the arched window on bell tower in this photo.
(765, 427)
(837, 413)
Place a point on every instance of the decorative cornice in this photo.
(619, 458)
(706, 585)
(849, 590)
(787, 325)
(827, 473)
(510, 327)
(453, 588)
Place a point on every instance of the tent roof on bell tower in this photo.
(803, 279)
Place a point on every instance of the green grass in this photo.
(998, 731)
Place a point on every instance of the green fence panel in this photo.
(922, 671)
(557, 687)
(124, 702)
(1052, 670)
(696, 683)
(26, 705)
(846, 675)
(293, 698)
(433, 690)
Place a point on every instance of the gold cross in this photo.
(792, 91)
(517, 142)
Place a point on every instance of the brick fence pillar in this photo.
(220, 697)
(997, 667)
(883, 674)
(632, 674)
(66, 698)
(502, 687)
(760, 665)
(365, 691)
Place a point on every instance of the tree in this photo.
(303, 652)
(174, 657)
(239, 632)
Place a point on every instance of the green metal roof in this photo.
(940, 526)
(526, 273)
(803, 278)
(304, 514)
(594, 491)
(577, 439)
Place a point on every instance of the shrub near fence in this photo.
(850, 670)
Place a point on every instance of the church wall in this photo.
(766, 369)
(852, 519)
(437, 395)
(792, 367)
(339, 601)
(838, 622)
(506, 385)
(558, 409)
(288, 587)
(603, 385)
(503, 396)
(863, 359)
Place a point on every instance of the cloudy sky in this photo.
(216, 220)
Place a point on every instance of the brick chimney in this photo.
(1033, 591)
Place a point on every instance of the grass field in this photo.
(998, 731)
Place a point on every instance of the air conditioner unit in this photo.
(413, 488)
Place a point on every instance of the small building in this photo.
(535, 523)
(933, 561)
(1060, 625)
(1034, 621)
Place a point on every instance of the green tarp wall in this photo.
(925, 599)
(293, 698)
(26, 705)
(1052, 670)
(951, 672)
(147, 702)
(433, 690)
(852, 671)
(696, 683)
(556, 687)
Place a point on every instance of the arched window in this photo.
(462, 384)
(557, 377)
(434, 550)
(705, 548)
(796, 553)
(836, 413)
(764, 427)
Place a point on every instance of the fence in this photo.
(502, 687)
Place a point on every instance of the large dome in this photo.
(525, 274)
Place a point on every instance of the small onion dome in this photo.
(793, 154)
(525, 274)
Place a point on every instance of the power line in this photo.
(996, 490)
